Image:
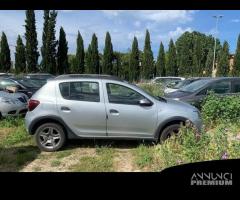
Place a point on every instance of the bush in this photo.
(216, 108)
(155, 89)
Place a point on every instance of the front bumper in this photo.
(13, 109)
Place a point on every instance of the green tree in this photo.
(223, 64)
(134, 70)
(62, 53)
(93, 57)
(79, 68)
(161, 62)
(107, 67)
(147, 63)
(32, 53)
(236, 66)
(171, 66)
(44, 49)
(88, 67)
(20, 59)
(5, 58)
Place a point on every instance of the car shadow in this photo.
(93, 143)
(13, 159)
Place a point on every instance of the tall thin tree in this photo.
(107, 67)
(161, 62)
(79, 60)
(5, 58)
(134, 70)
(148, 63)
(171, 67)
(62, 53)
(223, 64)
(94, 67)
(236, 66)
(20, 59)
(32, 53)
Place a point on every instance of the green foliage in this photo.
(144, 156)
(107, 66)
(32, 53)
(62, 53)
(216, 108)
(80, 54)
(155, 89)
(148, 62)
(236, 67)
(20, 56)
(134, 68)
(161, 62)
(5, 59)
(171, 66)
(223, 65)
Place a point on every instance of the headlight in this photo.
(177, 99)
(6, 100)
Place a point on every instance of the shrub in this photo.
(155, 89)
(217, 108)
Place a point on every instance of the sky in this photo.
(123, 25)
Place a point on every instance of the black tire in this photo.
(41, 134)
(169, 131)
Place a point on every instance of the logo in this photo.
(211, 178)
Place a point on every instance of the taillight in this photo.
(32, 104)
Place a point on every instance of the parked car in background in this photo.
(39, 78)
(181, 84)
(167, 80)
(100, 106)
(195, 92)
(5, 75)
(25, 86)
(12, 104)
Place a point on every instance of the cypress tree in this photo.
(5, 58)
(94, 56)
(134, 70)
(148, 64)
(31, 42)
(107, 67)
(79, 68)
(161, 62)
(223, 64)
(44, 50)
(236, 66)
(171, 69)
(20, 59)
(88, 68)
(62, 53)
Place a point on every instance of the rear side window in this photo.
(222, 87)
(236, 87)
(80, 91)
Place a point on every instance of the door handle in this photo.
(113, 112)
(66, 109)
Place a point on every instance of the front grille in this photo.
(22, 99)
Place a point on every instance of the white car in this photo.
(166, 80)
(12, 104)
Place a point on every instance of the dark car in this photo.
(23, 85)
(195, 92)
(39, 79)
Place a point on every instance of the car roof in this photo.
(87, 76)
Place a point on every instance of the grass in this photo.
(144, 156)
(101, 162)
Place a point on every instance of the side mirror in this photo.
(145, 102)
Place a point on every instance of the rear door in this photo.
(81, 106)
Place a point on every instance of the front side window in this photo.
(80, 91)
(222, 87)
(123, 95)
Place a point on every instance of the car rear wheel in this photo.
(169, 131)
(50, 137)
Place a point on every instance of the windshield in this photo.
(182, 83)
(27, 83)
(196, 85)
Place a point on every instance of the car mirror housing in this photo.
(145, 102)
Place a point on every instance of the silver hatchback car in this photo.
(102, 106)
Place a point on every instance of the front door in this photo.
(126, 118)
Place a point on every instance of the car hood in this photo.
(177, 94)
(180, 104)
(12, 96)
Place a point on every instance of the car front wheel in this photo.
(169, 131)
(50, 137)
